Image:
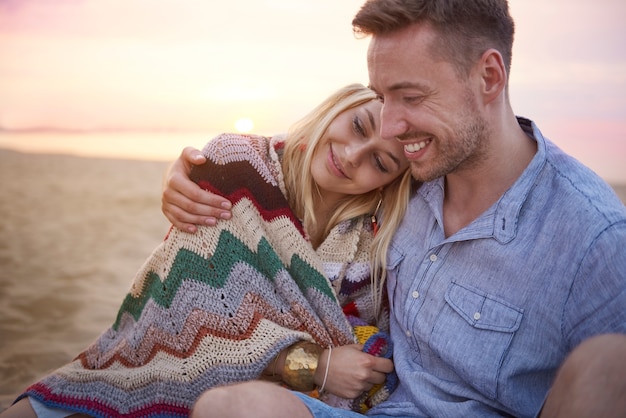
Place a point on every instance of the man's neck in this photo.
(470, 191)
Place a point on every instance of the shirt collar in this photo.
(501, 220)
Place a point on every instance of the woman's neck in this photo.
(323, 213)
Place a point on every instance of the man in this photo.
(511, 257)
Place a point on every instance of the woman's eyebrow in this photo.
(394, 159)
(371, 118)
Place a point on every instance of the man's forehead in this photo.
(419, 35)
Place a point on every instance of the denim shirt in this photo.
(481, 320)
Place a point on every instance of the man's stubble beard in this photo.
(466, 150)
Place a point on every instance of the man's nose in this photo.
(392, 122)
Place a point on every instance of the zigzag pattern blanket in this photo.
(216, 307)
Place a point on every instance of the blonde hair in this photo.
(395, 198)
(302, 141)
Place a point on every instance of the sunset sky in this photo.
(201, 65)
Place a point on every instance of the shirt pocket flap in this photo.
(483, 311)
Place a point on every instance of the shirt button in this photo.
(433, 257)
(416, 294)
(408, 333)
(477, 316)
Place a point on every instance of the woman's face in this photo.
(352, 158)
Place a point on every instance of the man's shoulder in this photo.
(572, 185)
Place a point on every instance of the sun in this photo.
(244, 125)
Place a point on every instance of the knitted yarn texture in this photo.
(377, 343)
(217, 306)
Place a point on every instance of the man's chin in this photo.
(423, 174)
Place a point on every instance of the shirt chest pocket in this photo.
(473, 333)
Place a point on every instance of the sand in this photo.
(74, 231)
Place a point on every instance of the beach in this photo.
(75, 230)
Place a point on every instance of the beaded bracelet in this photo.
(300, 365)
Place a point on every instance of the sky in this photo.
(203, 65)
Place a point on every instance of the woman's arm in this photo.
(183, 202)
(350, 372)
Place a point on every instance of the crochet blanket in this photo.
(216, 307)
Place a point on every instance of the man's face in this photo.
(428, 106)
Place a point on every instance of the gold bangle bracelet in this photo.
(300, 365)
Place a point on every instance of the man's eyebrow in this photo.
(401, 85)
(407, 85)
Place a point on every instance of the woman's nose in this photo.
(354, 153)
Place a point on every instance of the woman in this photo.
(262, 295)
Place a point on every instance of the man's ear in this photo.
(493, 75)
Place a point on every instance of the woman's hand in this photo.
(183, 202)
(351, 371)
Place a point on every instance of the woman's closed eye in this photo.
(358, 127)
(380, 164)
